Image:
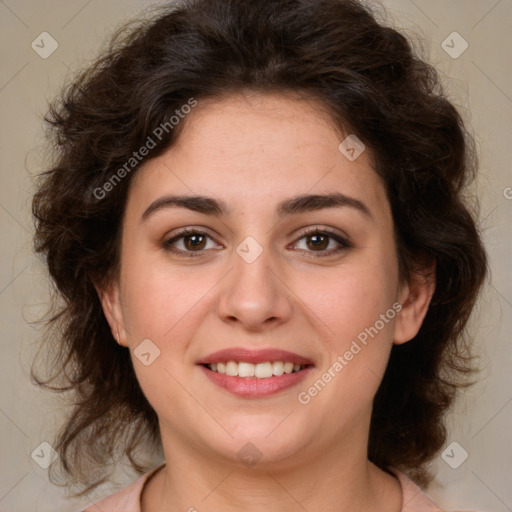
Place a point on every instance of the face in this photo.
(286, 262)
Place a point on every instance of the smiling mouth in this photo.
(264, 370)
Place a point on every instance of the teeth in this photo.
(277, 368)
(245, 369)
(231, 368)
(260, 370)
(263, 370)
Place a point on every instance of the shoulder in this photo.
(124, 500)
(413, 498)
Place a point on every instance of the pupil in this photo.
(194, 241)
(319, 241)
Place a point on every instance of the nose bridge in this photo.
(253, 294)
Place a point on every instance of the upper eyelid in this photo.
(343, 239)
(189, 231)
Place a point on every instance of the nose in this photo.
(254, 295)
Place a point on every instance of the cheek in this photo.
(357, 321)
(355, 308)
(163, 306)
(353, 297)
(157, 298)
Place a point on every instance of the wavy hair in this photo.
(373, 84)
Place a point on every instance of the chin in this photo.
(264, 442)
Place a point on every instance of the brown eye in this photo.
(318, 241)
(190, 242)
(322, 242)
(196, 241)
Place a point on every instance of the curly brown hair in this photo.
(373, 84)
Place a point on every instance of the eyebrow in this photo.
(299, 204)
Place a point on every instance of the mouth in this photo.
(263, 370)
(249, 373)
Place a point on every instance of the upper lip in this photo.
(240, 354)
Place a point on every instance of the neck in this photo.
(341, 479)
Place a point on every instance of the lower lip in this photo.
(253, 387)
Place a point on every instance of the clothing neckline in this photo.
(412, 495)
(145, 479)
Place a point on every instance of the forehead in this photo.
(253, 149)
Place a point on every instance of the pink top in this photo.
(128, 499)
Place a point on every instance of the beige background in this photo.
(479, 82)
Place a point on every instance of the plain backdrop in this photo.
(478, 81)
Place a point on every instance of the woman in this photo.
(261, 203)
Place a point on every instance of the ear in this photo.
(415, 297)
(111, 303)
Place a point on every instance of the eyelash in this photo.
(344, 244)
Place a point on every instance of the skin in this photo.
(253, 151)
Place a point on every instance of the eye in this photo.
(191, 241)
(323, 241)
